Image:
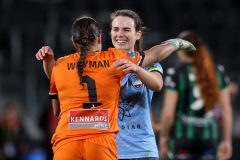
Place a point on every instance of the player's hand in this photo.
(225, 150)
(125, 65)
(45, 53)
(181, 44)
(163, 148)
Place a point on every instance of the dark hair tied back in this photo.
(84, 41)
(85, 31)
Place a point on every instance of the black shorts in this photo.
(185, 149)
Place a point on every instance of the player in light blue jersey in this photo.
(136, 138)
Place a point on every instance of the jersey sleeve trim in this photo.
(171, 89)
(155, 69)
(142, 54)
(53, 96)
(223, 88)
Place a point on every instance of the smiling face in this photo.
(124, 34)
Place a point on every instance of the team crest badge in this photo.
(136, 83)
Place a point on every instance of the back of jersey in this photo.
(91, 108)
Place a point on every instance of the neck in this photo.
(94, 49)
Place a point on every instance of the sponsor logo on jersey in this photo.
(89, 118)
(196, 121)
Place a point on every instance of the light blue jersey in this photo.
(136, 138)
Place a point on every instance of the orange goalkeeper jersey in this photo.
(93, 109)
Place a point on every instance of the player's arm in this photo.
(168, 111)
(46, 54)
(225, 146)
(56, 107)
(160, 52)
(167, 120)
(151, 79)
(53, 94)
(151, 76)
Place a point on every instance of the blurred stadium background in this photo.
(27, 25)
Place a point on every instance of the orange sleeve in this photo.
(135, 57)
(53, 90)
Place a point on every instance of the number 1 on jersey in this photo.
(92, 93)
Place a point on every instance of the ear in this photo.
(99, 40)
(74, 44)
(138, 35)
